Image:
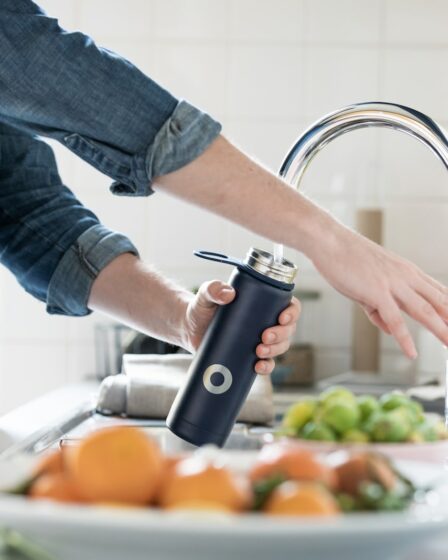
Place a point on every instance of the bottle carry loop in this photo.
(243, 266)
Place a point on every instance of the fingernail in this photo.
(264, 350)
(271, 337)
(226, 290)
(286, 318)
(261, 367)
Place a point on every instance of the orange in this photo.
(118, 464)
(196, 480)
(56, 486)
(201, 505)
(50, 463)
(293, 462)
(364, 467)
(301, 498)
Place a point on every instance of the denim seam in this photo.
(95, 156)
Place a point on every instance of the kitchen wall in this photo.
(266, 69)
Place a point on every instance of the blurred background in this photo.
(266, 69)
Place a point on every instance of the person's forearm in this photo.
(138, 296)
(229, 183)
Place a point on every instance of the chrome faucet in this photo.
(361, 115)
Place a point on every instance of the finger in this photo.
(214, 293)
(434, 283)
(265, 367)
(375, 318)
(272, 350)
(436, 297)
(392, 317)
(291, 313)
(278, 333)
(422, 311)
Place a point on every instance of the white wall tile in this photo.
(329, 362)
(176, 229)
(395, 362)
(326, 321)
(86, 179)
(416, 21)
(195, 19)
(418, 232)
(65, 11)
(28, 371)
(415, 77)
(80, 361)
(126, 215)
(343, 21)
(409, 170)
(345, 168)
(102, 19)
(24, 317)
(339, 76)
(267, 21)
(265, 81)
(140, 53)
(194, 73)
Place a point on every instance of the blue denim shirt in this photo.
(101, 107)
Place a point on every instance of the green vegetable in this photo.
(340, 414)
(264, 488)
(316, 431)
(346, 502)
(392, 426)
(299, 414)
(355, 435)
(389, 401)
(339, 393)
(367, 406)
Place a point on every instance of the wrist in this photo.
(316, 231)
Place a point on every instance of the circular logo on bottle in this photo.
(226, 382)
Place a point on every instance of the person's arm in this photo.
(63, 256)
(135, 294)
(230, 184)
(53, 244)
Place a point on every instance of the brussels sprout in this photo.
(339, 393)
(355, 436)
(432, 429)
(391, 426)
(340, 414)
(299, 414)
(367, 406)
(415, 437)
(389, 401)
(316, 431)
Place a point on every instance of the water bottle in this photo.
(222, 371)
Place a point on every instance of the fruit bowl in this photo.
(435, 452)
(394, 425)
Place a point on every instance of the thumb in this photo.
(214, 293)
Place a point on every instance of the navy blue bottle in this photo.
(222, 371)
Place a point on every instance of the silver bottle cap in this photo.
(264, 263)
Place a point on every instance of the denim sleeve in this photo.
(62, 85)
(52, 244)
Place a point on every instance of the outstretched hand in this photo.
(275, 340)
(384, 284)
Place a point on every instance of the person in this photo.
(100, 106)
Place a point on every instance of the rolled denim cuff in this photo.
(70, 285)
(182, 138)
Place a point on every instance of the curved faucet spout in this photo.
(362, 115)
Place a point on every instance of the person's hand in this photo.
(201, 309)
(384, 284)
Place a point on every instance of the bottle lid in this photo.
(264, 263)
